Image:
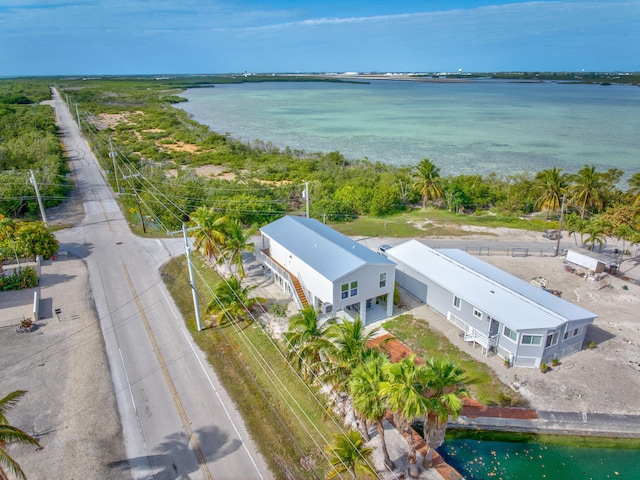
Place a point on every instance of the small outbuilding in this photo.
(593, 261)
(502, 313)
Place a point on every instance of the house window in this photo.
(477, 313)
(511, 334)
(345, 290)
(551, 340)
(531, 339)
(354, 288)
(383, 279)
(457, 302)
(572, 333)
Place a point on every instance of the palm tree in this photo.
(427, 182)
(574, 224)
(550, 185)
(445, 390)
(306, 340)
(349, 454)
(368, 401)
(231, 301)
(596, 234)
(347, 349)
(404, 390)
(634, 189)
(234, 243)
(587, 189)
(10, 434)
(210, 237)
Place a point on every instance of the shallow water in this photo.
(472, 127)
(505, 460)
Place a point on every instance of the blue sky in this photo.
(90, 37)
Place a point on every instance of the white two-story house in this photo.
(322, 267)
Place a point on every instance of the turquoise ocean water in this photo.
(470, 127)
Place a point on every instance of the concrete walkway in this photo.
(558, 423)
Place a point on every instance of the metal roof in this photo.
(505, 297)
(326, 250)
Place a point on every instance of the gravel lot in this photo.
(70, 406)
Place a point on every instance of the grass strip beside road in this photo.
(426, 342)
(281, 438)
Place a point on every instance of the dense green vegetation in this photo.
(159, 151)
(28, 141)
(258, 182)
(25, 240)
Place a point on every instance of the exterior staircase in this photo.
(299, 292)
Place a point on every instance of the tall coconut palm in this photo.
(404, 390)
(634, 189)
(306, 340)
(444, 390)
(10, 434)
(348, 453)
(427, 181)
(347, 349)
(368, 401)
(587, 189)
(234, 244)
(210, 237)
(232, 301)
(550, 185)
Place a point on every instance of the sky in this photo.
(127, 37)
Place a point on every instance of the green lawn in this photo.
(434, 222)
(282, 415)
(427, 342)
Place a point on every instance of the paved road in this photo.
(177, 420)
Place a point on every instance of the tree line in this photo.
(261, 181)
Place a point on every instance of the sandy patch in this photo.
(179, 147)
(102, 121)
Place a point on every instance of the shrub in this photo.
(19, 280)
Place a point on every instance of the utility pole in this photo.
(187, 248)
(32, 179)
(113, 155)
(560, 229)
(135, 192)
(78, 117)
(306, 196)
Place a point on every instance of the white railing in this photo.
(485, 341)
(267, 261)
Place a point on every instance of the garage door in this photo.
(411, 285)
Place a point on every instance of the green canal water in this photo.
(526, 457)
